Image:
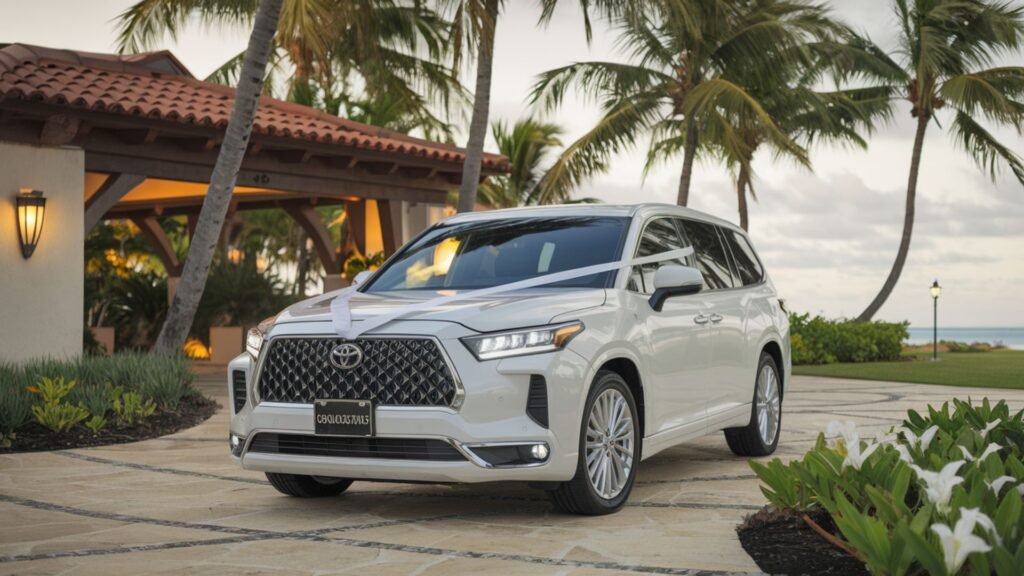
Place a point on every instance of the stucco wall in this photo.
(41, 299)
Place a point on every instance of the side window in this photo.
(747, 264)
(660, 235)
(711, 257)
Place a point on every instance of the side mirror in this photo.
(674, 280)
(361, 277)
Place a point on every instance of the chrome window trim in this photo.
(457, 400)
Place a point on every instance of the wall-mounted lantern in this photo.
(31, 210)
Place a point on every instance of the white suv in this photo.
(558, 346)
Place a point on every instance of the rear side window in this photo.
(747, 264)
(660, 235)
(712, 260)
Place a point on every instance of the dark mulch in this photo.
(191, 411)
(781, 543)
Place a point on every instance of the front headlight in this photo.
(254, 339)
(520, 342)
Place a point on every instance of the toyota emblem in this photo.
(346, 356)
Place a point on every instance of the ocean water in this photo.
(1011, 337)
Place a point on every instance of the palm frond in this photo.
(989, 154)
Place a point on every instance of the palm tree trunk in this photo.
(742, 180)
(689, 152)
(222, 182)
(908, 225)
(481, 111)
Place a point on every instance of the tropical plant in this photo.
(474, 24)
(222, 182)
(801, 110)
(53, 412)
(941, 495)
(691, 66)
(946, 56)
(528, 145)
(327, 54)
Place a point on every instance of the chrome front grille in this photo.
(393, 372)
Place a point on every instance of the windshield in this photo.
(487, 253)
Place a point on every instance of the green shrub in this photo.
(161, 380)
(52, 412)
(960, 347)
(15, 401)
(904, 501)
(130, 408)
(821, 341)
(96, 424)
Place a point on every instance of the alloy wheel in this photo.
(610, 444)
(768, 404)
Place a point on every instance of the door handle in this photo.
(716, 318)
(702, 319)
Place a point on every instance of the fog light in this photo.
(539, 452)
(237, 444)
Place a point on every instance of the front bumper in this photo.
(493, 412)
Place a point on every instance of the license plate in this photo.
(343, 417)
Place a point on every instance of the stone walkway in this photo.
(177, 505)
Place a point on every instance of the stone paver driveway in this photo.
(177, 505)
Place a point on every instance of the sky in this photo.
(827, 237)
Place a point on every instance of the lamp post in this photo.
(935, 290)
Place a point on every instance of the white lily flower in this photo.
(904, 453)
(939, 485)
(1020, 489)
(889, 437)
(846, 430)
(997, 484)
(855, 456)
(924, 440)
(989, 450)
(976, 516)
(960, 542)
(990, 427)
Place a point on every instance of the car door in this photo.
(677, 337)
(723, 296)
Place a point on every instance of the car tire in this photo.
(579, 495)
(308, 486)
(765, 414)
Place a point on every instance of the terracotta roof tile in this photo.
(156, 85)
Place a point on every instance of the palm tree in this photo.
(686, 57)
(474, 24)
(222, 182)
(804, 113)
(528, 145)
(327, 53)
(947, 48)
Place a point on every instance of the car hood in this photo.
(523, 308)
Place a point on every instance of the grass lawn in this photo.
(1001, 369)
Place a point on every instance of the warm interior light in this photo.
(31, 212)
(444, 253)
(234, 256)
(261, 264)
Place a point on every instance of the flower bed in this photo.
(942, 494)
(51, 404)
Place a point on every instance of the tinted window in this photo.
(747, 265)
(487, 253)
(711, 258)
(660, 235)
